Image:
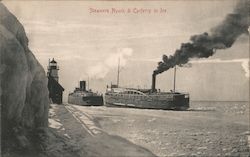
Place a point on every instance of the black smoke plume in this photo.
(204, 45)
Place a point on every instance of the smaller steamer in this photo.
(84, 97)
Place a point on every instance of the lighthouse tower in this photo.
(53, 69)
(55, 89)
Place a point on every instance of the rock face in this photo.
(24, 93)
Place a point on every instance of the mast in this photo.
(118, 72)
(174, 77)
(88, 82)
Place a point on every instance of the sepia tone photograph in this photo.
(121, 78)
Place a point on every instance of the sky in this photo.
(88, 44)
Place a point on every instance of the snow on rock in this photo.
(54, 121)
(54, 124)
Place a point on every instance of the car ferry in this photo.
(127, 97)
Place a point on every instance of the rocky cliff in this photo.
(24, 94)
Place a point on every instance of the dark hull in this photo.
(176, 102)
(86, 101)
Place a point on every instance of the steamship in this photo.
(84, 97)
(145, 98)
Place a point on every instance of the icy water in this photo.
(224, 107)
(208, 128)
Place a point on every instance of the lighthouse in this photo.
(53, 69)
(55, 89)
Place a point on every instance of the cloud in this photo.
(48, 26)
(101, 69)
(145, 59)
(244, 63)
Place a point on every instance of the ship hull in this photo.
(173, 102)
(86, 100)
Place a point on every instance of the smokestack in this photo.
(204, 45)
(153, 82)
(83, 85)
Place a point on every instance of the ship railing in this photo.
(126, 95)
(141, 97)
